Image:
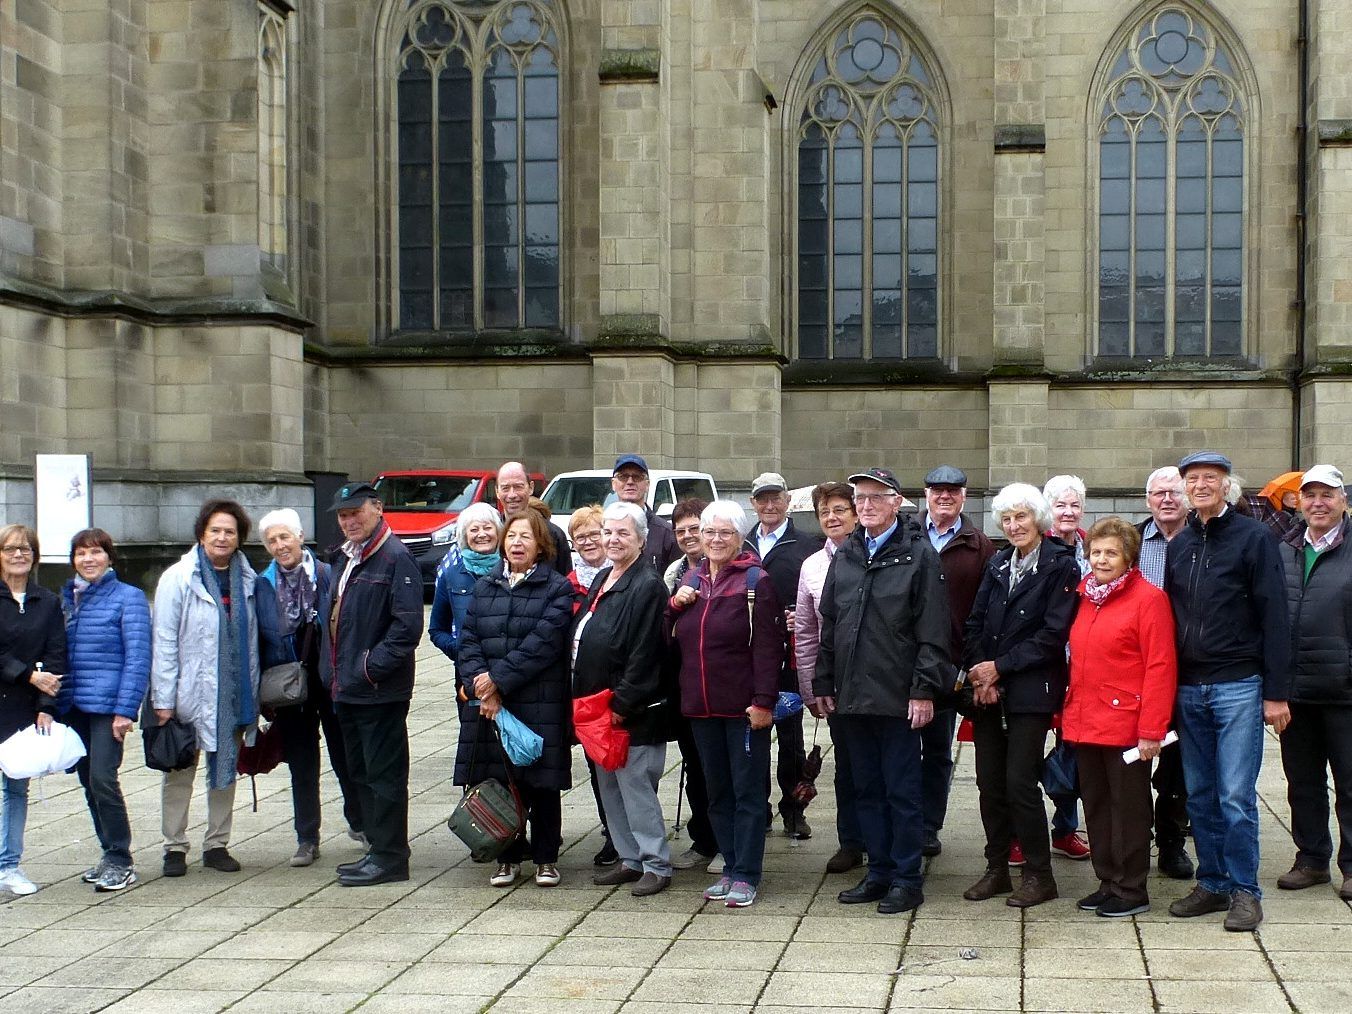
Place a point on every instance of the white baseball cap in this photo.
(1325, 475)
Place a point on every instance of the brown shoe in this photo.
(1245, 913)
(844, 860)
(1298, 877)
(618, 874)
(1199, 901)
(1034, 889)
(992, 882)
(1345, 892)
(649, 884)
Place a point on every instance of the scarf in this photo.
(586, 573)
(1021, 566)
(479, 564)
(235, 706)
(1098, 593)
(295, 595)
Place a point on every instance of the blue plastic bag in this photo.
(523, 744)
(787, 705)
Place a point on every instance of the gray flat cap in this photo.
(1213, 458)
(946, 475)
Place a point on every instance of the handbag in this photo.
(1061, 771)
(282, 685)
(261, 756)
(490, 815)
(171, 746)
(32, 754)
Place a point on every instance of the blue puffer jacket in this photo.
(108, 644)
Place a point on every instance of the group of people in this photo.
(1215, 616)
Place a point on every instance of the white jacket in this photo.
(184, 676)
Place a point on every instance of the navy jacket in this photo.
(273, 647)
(108, 644)
(36, 633)
(450, 601)
(1226, 584)
(1321, 620)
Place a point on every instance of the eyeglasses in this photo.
(1166, 494)
(587, 537)
(719, 535)
(835, 512)
(631, 478)
(17, 551)
(866, 498)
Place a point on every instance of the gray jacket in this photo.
(187, 641)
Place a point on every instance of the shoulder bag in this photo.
(490, 815)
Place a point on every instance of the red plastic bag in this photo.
(606, 744)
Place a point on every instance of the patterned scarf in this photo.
(235, 706)
(1098, 593)
(295, 595)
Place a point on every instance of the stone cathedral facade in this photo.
(246, 240)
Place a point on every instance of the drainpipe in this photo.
(1302, 232)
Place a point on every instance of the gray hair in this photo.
(1058, 485)
(621, 510)
(476, 512)
(726, 510)
(283, 516)
(1171, 475)
(1020, 495)
(1233, 488)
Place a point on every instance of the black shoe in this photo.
(220, 859)
(607, 856)
(1174, 863)
(932, 845)
(864, 891)
(345, 868)
(175, 864)
(1091, 902)
(1119, 908)
(373, 873)
(900, 899)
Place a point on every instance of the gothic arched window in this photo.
(867, 237)
(272, 137)
(476, 111)
(1171, 194)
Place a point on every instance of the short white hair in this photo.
(1165, 473)
(284, 516)
(726, 510)
(476, 512)
(622, 510)
(1022, 496)
(1058, 485)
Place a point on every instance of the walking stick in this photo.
(680, 798)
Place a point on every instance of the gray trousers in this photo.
(174, 799)
(633, 813)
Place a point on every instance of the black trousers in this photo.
(299, 728)
(696, 793)
(1008, 779)
(376, 738)
(1171, 799)
(544, 811)
(1116, 798)
(789, 760)
(1319, 738)
(936, 768)
(98, 774)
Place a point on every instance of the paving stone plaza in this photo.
(276, 939)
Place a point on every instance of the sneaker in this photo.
(116, 878)
(91, 875)
(1199, 901)
(306, 853)
(220, 859)
(1245, 913)
(607, 856)
(1016, 853)
(1072, 846)
(1091, 902)
(718, 891)
(505, 875)
(689, 859)
(175, 864)
(547, 875)
(716, 864)
(740, 895)
(1120, 908)
(14, 881)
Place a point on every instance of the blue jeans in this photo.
(738, 790)
(13, 817)
(885, 769)
(1220, 728)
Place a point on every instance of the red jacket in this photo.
(1123, 668)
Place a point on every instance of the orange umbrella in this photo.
(1287, 482)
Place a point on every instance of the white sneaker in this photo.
(689, 859)
(506, 875)
(715, 864)
(15, 882)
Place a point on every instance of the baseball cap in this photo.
(883, 475)
(1325, 475)
(630, 459)
(768, 482)
(353, 494)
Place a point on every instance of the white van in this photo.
(568, 491)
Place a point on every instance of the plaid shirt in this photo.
(1280, 522)
(1154, 546)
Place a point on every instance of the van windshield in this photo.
(440, 494)
(568, 494)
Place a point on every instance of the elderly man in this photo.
(1319, 589)
(1223, 574)
(882, 658)
(629, 480)
(963, 551)
(782, 550)
(1167, 501)
(514, 491)
(374, 626)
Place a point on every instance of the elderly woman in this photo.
(730, 628)
(108, 641)
(584, 529)
(1123, 677)
(205, 673)
(474, 555)
(513, 655)
(833, 503)
(1015, 657)
(617, 646)
(685, 524)
(32, 661)
(291, 594)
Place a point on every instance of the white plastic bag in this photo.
(31, 754)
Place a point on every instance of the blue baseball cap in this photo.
(630, 459)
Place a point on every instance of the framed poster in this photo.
(62, 496)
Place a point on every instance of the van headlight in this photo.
(444, 535)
